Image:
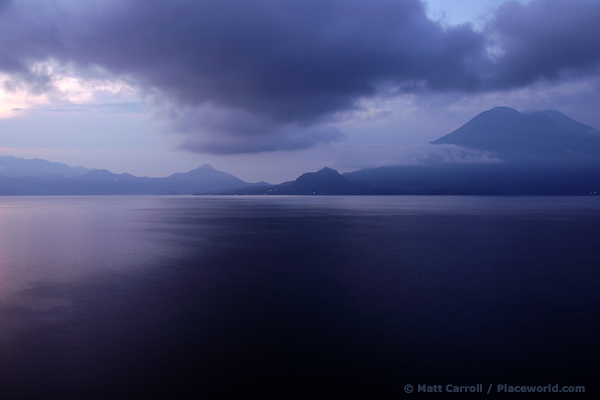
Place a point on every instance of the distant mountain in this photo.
(440, 179)
(13, 167)
(570, 124)
(544, 153)
(480, 179)
(100, 175)
(326, 181)
(204, 179)
(539, 137)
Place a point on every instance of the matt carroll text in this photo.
(450, 388)
(501, 388)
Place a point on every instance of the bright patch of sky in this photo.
(62, 87)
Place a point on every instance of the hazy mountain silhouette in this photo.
(106, 176)
(204, 178)
(326, 181)
(103, 182)
(534, 137)
(13, 167)
(480, 179)
(544, 153)
(570, 124)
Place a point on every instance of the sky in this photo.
(270, 89)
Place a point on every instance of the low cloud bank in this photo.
(432, 154)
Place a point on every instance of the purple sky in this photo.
(267, 90)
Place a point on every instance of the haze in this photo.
(268, 90)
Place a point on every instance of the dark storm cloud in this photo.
(282, 67)
(286, 137)
(231, 131)
(547, 39)
(286, 60)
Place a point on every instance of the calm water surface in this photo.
(227, 297)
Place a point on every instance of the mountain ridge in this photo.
(325, 181)
(544, 153)
(14, 167)
(535, 137)
(103, 182)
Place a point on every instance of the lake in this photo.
(276, 296)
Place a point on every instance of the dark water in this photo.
(295, 297)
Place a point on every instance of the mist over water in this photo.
(127, 297)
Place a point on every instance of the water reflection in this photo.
(121, 296)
